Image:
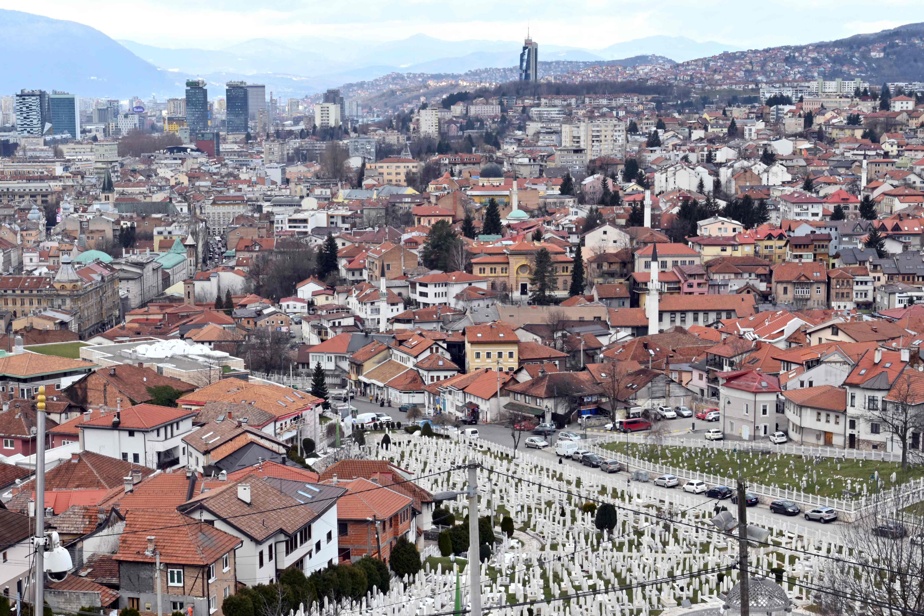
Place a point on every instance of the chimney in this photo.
(136, 476)
(906, 355)
(150, 550)
(229, 415)
(877, 356)
(112, 372)
(129, 484)
(333, 480)
(243, 492)
(17, 345)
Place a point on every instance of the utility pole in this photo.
(474, 560)
(743, 548)
(39, 541)
(153, 550)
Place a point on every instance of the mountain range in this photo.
(63, 55)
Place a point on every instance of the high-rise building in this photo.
(429, 122)
(334, 96)
(65, 115)
(176, 107)
(32, 112)
(256, 101)
(197, 106)
(236, 103)
(327, 115)
(529, 61)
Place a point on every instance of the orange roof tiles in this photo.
(180, 540)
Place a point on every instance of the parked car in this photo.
(719, 492)
(714, 435)
(640, 476)
(569, 436)
(667, 481)
(786, 507)
(713, 416)
(544, 429)
(611, 466)
(564, 449)
(890, 530)
(694, 486)
(537, 442)
(750, 499)
(632, 425)
(702, 413)
(524, 426)
(380, 417)
(778, 438)
(683, 411)
(821, 514)
(579, 454)
(667, 412)
(591, 459)
(404, 408)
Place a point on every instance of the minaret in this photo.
(647, 209)
(651, 304)
(863, 177)
(383, 301)
(515, 196)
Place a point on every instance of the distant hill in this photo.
(677, 48)
(63, 55)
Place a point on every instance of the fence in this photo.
(851, 509)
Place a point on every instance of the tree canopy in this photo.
(442, 242)
(543, 278)
(492, 220)
(577, 273)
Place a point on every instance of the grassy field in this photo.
(71, 350)
(829, 477)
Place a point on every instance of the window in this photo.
(853, 399)
(763, 410)
(124, 457)
(131, 433)
(174, 577)
(874, 428)
(509, 354)
(260, 559)
(487, 354)
(8, 443)
(5, 557)
(226, 562)
(134, 603)
(226, 592)
(477, 354)
(212, 572)
(330, 536)
(177, 606)
(818, 416)
(213, 604)
(270, 551)
(342, 529)
(136, 458)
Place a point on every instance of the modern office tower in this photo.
(176, 107)
(529, 61)
(236, 106)
(334, 96)
(32, 112)
(197, 106)
(327, 115)
(256, 101)
(65, 116)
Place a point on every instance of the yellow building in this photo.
(509, 269)
(394, 170)
(713, 247)
(494, 346)
(772, 246)
(174, 124)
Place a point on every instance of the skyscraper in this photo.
(236, 103)
(256, 102)
(334, 97)
(197, 106)
(32, 113)
(529, 61)
(65, 116)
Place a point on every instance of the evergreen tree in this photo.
(838, 213)
(660, 125)
(808, 185)
(875, 241)
(632, 129)
(327, 257)
(768, 156)
(808, 120)
(761, 213)
(868, 208)
(641, 179)
(606, 517)
(107, 186)
(468, 226)
(567, 185)
(885, 98)
(654, 140)
(732, 129)
(219, 305)
(441, 243)
(492, 220)
(701, 187)
(361, 174)
(229, 303)
(319, 384)
(537, 235)
(405, 559)
(630, 170)
(543, 278)
(577, 273)
(605, 193)
(710, 157)
(594, 219)
(636, 216)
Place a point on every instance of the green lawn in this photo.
(71, 350)
(828, 477)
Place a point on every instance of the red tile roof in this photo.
(180, 540)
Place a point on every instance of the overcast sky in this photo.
(589, 24)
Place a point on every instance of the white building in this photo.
(142, 434)
(429, 122)
(440, 289)
(598, 136)
(327, 115)
(15, 564)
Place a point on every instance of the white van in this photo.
(565, 449)
(470, 433)
(364, 419)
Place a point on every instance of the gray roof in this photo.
(910, 262)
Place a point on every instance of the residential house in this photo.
(15, 553)
(224, 444)
(803, 285)
(371, 518)
(493, 345)
(558, 396)
(126, 382)
(198, 563)
(442, 288)
(23, 372)
(480, 394)
(870, 381)
(17, 428)
(142, 434)
(389, 261)
(605, 238)
(749, 404)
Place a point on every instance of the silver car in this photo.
(667, 481)
(821, 514)
(568, 437)
(683, 411)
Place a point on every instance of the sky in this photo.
(587, 24)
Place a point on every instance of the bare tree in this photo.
(881, 572)
(615, 377)
(515, 422)
(901, 414)
(556, 320)
(333, 161)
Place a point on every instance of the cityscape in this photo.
(517, 319)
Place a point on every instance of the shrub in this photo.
(129, 611)
(359, 436)
(443, 517)
(411, 429)
(589, 507)
(444, 541)
(237, 605)
(484, 552)
(308, 447)
(507, 526)
(426, 430)
(397, 425)
(377, 573)
(405, 559)
(606, 518)
(459, 536)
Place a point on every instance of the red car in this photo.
(525, 426)
(702, 414)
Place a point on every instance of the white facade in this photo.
(145, 447)
(14, 569)
(598, 136)
(607, 238)
(429, 122)
(327, 115)
(682, 177)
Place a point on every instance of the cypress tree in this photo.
(492, 220)
(319, 384)
(577, 273)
